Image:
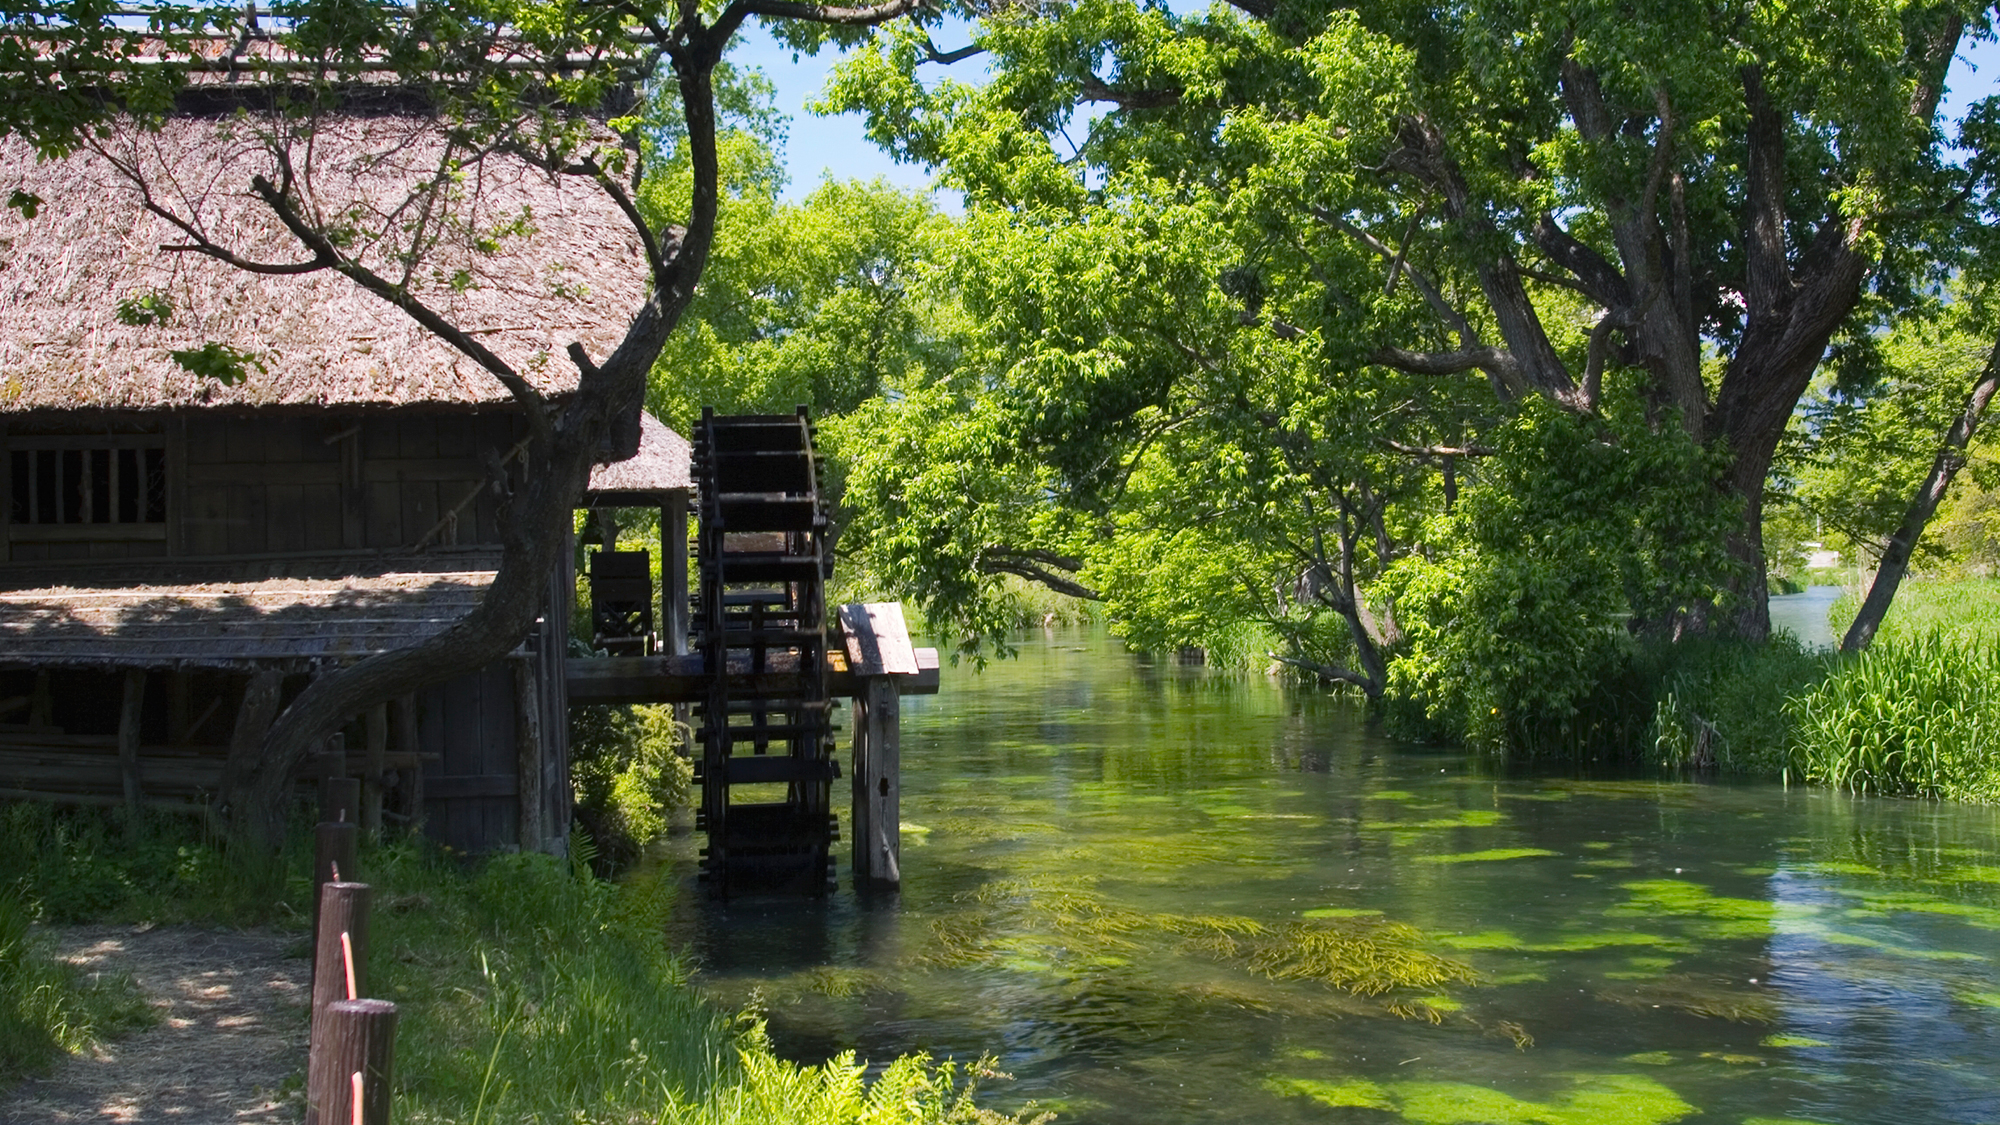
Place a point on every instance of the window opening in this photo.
(89, 486)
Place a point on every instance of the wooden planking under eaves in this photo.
(291, 622)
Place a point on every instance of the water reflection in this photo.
(1160, 894)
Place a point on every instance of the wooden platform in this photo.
(680, 679)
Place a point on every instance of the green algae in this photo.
(1364, 955)
(1722, 917)
(1349, 1093)
(1980, 999)
(1465, 818)
(1734, 1059)
(1612, 1099)
(1391, 795)
(1607, 1099)
(1340, 912)
(1609, 861)
(1565, 943)
(1791, 1041)
(1834, 937)
(1488, 856)
(1841, 867)
(1485, 939)
(1652, 1058)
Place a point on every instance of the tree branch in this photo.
(1020, 565)
(1093, 89)
(524, 392)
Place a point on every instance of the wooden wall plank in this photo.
(320, 516)
(285, 527)
(384, 516)
(417, 434)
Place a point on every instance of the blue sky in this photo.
(822, 146)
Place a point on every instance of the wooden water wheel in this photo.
(767, 764)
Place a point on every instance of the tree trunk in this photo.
(1896, 558)
(536, 519)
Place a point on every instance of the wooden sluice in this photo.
(767, 663)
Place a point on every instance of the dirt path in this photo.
(230, 1039)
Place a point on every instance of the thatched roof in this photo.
(290, 623)
(559, 264)
(664, 463)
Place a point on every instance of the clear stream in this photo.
(1133, 881)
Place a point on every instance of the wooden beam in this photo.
(679, 679)
(130, 712)
(878, 643)
(41, 703)
(180, 707)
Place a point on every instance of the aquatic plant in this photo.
(1698, 996)
(1363, 955)
(1918, 717)
(1488, 856)
(1600, 1099)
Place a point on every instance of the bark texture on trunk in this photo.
(1951, 457)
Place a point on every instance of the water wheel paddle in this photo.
(763, 558)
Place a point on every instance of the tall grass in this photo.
(533, 992)
(1914, 716)
(48, 1007)
(95, 865)
(1965, 608)
(1719, 704)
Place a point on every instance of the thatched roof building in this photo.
(524, 261)
(167, 539)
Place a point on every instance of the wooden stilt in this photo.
(878, 840)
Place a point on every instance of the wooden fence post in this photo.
(336, 844)
(340, 948)
(354, 1053)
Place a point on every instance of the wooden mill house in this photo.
(180, 556)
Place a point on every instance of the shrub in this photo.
(630, 770)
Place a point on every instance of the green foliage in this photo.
(630, 770)
(1533, 586)
(144, 310)
(47, 1007)
(220, 362)
(26, 202)
(1961, 609)
(86, 864)
(1716, 702)
(530, 992)
(1916, 716)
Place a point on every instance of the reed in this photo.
(1915, 716)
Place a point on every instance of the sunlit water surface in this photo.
(1106, 859)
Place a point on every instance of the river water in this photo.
(1160, 894)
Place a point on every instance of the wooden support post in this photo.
(674, 573)
(41, 704)
(528, 755)
(878, 837)
(130, 712)
(340, 948)
(374, 766)
(405, 721)
(356, 1054)
(180, 707)
(253, 721)
(879, 655)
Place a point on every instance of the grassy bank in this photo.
(529, 989)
